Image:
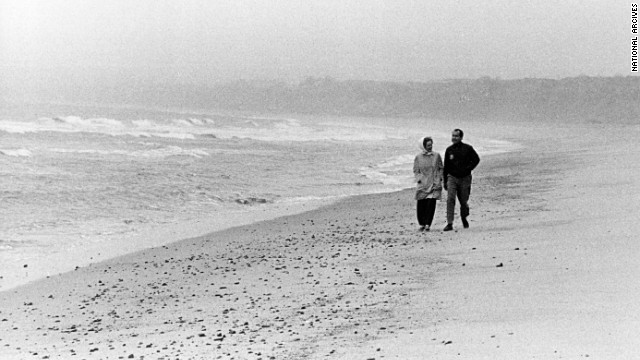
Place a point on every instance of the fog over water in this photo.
(59, 43)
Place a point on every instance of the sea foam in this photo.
(255, 128)
(162, 152)
(16, 152)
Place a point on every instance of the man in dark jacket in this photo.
(459, 160)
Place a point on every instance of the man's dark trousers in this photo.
(460, 188)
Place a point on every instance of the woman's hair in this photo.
(424, 141)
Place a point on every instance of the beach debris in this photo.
(500, 265)
(261, 273)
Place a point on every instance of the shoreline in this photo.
(545, 271)
(62, 246)
(290, 259)
(36, 267)
(31, 263)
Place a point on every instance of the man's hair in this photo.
(460, 132)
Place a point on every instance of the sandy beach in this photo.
(547, 270)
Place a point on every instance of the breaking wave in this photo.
(151, 153)
(256, 128)
(16, 152)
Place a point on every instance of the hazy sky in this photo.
(380, 40)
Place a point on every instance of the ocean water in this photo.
(82, 183)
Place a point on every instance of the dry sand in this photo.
(548, 270)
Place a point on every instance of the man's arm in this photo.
(474, 159)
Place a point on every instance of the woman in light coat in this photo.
(427, 168)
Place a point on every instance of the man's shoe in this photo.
(465, 223)
(449, 227)
(421, 228)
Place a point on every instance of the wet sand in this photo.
(548, 270)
